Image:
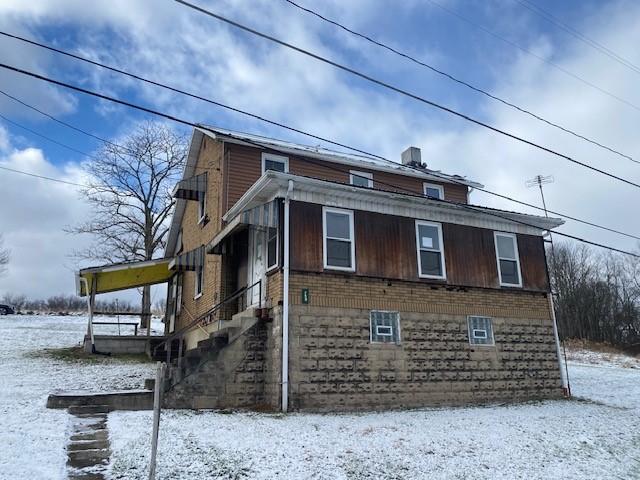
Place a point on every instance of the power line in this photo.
(529, 52)
(434, 173)
(576, 34)
(405, 92)
(44, 177)
(196, 125)
(461, 82)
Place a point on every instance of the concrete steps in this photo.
(118, 400)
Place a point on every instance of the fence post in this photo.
(157, 400)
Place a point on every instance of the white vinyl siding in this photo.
(361, 179)
(277, 163)
(480, 330)
(384, 327)
(430, 250)
(508, 259)
(433, 190)
(338, 239)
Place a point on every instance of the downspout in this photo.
(563, 373)
(285, 304)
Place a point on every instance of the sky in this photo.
(553, 74)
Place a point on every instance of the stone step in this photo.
(91, 445)
(88, 409)
(117, 400)
(90, 436)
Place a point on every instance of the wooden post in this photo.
(157, 400)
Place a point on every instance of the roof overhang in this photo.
(122, 276)
(275, 185)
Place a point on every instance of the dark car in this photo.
(6, 310)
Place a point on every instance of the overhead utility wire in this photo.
(433, 173)
(533, 54)
(461, 82)
(575, 33)
(196, 125)
(44, 177)
(405, 92)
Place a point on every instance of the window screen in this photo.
(429, 239)
(274, 165)
(480, 330)
(508, 262)
(385, 327)
(338, 239)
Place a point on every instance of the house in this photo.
(307, 279)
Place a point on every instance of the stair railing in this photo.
(198, 320)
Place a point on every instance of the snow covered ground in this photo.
(598, 437)
(32, 437)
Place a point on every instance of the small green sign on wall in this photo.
(305, 296)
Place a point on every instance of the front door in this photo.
(258, 263)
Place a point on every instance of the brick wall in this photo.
(333, 365)
(194, 235)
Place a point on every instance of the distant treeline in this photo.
(597, 295)
(66, 304)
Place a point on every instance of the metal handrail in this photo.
(180, 333)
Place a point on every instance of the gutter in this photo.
(285, 303)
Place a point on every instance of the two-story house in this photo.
(311, 279)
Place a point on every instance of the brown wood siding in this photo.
(470, 256)
(386, 248)
(533, 262)
(244, 166)
(305, 223)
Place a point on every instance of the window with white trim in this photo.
(480, 330)
(199, 281)
(272, 248)
(508, 259)
(277, 163)
(384, 327)
(202, 206)
(361, 179)
(430, 250)
(339, 245)
(433, 190)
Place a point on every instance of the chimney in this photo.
(411, 156)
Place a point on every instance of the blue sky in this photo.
(177, 46)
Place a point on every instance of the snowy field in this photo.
(597, 437)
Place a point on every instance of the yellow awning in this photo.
(121, 276)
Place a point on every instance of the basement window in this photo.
(430, 250)
(339, 246)
(385, 327)
(508, 259)
(277, 163)
(480, 330)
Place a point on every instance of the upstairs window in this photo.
(199, 281)
(385, 327)
(277, 163)
(433, 190)
(480, 330)
(508, 259)
(430, 250)
(361, 179)
(339, 245)
(202, 206)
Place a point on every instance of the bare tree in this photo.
(129, 189)
(4, 256)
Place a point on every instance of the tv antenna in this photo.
(538, 181)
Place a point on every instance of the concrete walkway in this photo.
(88, 450)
